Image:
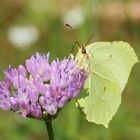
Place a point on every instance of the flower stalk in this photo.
(49, 130)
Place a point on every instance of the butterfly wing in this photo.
(110, 64)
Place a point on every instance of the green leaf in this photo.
(109, 66)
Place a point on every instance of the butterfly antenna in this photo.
(73, 32)
(89, 40)
(76, 42)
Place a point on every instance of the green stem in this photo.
(49, 130)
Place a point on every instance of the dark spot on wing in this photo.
(104, 88)
(110, 56)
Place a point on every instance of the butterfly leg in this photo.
(76, 42)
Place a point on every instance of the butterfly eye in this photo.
(83, 50)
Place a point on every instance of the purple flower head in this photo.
(38, 65)
(41, 86)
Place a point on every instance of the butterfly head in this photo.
(83, 49)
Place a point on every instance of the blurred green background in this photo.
(28, 26)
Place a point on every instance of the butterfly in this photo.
(109, 64)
